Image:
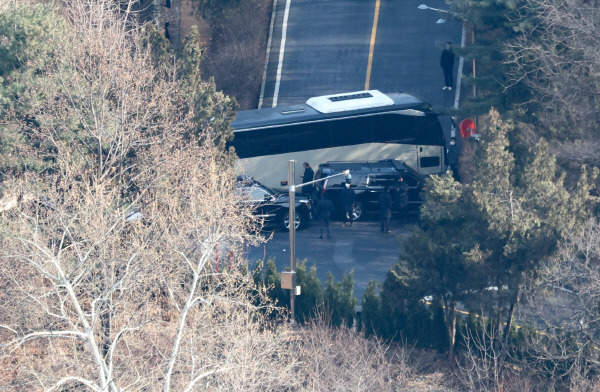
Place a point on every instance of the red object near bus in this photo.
(467, 127)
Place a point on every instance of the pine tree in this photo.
(371, 310)
(527, 211)
(493, 232)
(310, 302)
(272, 280)
(492, 25)
(439, 253)
(25, 54)
(213, 110)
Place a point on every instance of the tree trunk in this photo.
(450, 315)
(509, 320)
(105, 327)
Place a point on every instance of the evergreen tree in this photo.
(371, 310)
(159, 46)
(527, 210)
(492, 25)
(339, 300)
(213, 110)
(439, 254)
(493, 232)
(26, 52)
(272, 280)
(309, 303)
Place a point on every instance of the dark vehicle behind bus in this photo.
(369, 180)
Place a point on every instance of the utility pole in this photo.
(292, 229)
(288, 278)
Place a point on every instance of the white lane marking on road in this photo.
(342, 255)
(269, 41)
(460, 68)
(281, 51)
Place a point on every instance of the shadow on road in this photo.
(360, 247)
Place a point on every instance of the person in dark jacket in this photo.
(308, 176)
(447, 64)
(315, 198)
(347, 197)
(324, 209)
(401, 197)
(453, 158)
(385, 210)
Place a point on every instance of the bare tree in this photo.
(484, 366)
(558, 59)
(564, 301)
(236, 53)
(340, 360)
(107, 261)
(108, 275)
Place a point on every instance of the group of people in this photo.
(323, 206)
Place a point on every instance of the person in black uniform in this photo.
(453, 162)
(385, 210)
(447, 64)
(308, 176)
(347, 197)
(324, 209)
(401, 197)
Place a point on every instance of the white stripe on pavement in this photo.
(281, 51)
(269, 41)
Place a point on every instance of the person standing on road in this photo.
(347, 197)
(447, 64)
(385, 210)
(324, 209)
(308, 176)
(315, 198)
(401, 197)
(453, 158)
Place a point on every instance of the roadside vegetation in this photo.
(117, 206)
(235, 56)
(517, 238)
(116, 200)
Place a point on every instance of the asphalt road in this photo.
(331, 46)
(327, 46)
(360, 247)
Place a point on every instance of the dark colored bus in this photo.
(358, 126)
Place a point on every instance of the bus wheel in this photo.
(357, 210)
(298, 222)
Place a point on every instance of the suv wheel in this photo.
(357, 210)
(298, 222)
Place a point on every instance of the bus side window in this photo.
(353, 130)
(268, 141)
(429, 161)
(310, 136)
(394, 128)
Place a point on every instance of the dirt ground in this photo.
(235, 57)
(188, 20)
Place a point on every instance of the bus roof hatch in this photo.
(349, 101)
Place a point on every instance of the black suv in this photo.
(272, 206)
(369, 180)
